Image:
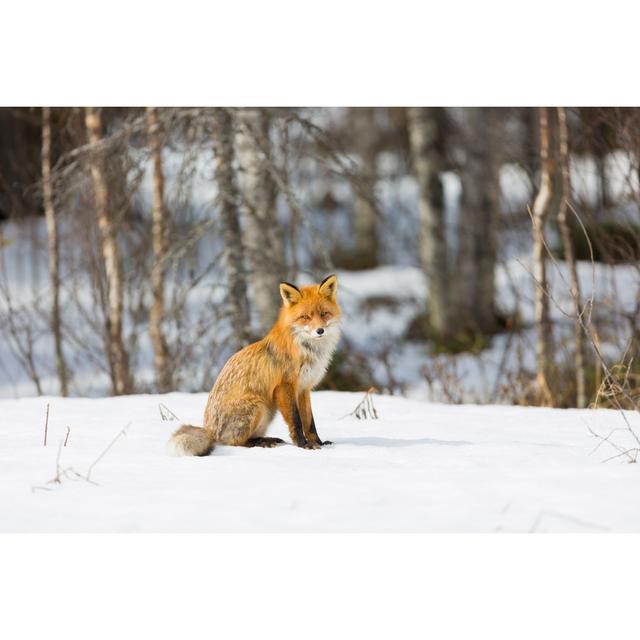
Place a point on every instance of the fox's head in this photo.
(312, 312)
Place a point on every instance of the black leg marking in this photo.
(314, 434)
(264, 442)
(301, 441)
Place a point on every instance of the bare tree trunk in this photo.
(159, 239)
(54, 251)
(365, 224)
(540, 213)
(117, 353)
(563, 134)
(531, 145)
(603, 183)
(233, 249)
(478, 221)
(294, 220)
(263, 238)
(427, 163)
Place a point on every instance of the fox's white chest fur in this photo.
(317, 358)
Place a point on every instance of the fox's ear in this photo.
(290, 294)
(329, 287)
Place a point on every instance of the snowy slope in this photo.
(420, 467)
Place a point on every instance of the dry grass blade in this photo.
(120, 433)
(632, 454)
(70, 472)
(365, 409)
(166, 413)
(67, 472)
(46, 425)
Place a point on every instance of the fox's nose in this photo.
(320, 331)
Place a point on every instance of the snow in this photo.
(419, 467)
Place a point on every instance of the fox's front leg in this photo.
(308, 423)
(285, 398)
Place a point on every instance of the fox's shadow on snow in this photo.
(371, 441)
(398, 442)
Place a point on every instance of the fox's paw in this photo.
(311, 445)
(268, 443)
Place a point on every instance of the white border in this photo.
(337, 52)
(318, 586)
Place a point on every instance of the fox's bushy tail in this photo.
(190, 441)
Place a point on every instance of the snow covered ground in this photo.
(419, 467)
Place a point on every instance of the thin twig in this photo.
(46, 425)
(626, 452)
(122, 432)
(166, 413)
(56, 478)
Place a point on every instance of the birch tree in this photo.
(116, 351)
(540, 214)
(53, 251)
(263, 244)
(159, 241)
(478, 220)
(228, 199)
(569, 256)
(365, 222)
(424, 131)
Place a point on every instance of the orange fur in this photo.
(276, 373)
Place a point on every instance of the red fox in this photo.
(277, 372)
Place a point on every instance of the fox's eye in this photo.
(304, 318)
(324, 314)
